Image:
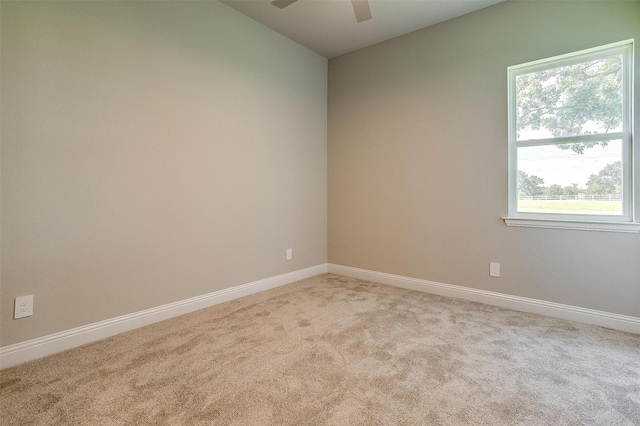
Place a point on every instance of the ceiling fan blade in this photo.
(362, 10)
(282, 3)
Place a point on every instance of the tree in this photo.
(571, 189)
(556, 189)
(569, 100)
(529, 185)
(607, 181)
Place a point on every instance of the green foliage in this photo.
(556, 189)
(607, 181)
(529, 185)
(569, 100)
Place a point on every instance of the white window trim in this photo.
(579, 225)
(623, 223)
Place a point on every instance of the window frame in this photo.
(616, 223)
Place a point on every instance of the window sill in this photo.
(627, 227)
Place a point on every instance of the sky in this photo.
(566, 167)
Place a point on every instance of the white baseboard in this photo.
(524, 304)
(58, 342)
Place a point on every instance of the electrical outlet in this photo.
(289, 254)
(494, 269)
(23, 307)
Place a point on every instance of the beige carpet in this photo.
(337, 351)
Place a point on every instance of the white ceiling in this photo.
(329, 27)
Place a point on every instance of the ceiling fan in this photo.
(360, 8)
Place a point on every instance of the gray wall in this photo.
(151, 152)
(418, 158)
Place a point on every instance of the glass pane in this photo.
(571, 178)
(573, 100)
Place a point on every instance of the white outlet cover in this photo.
(23, 307)
(494, 269)
(289, 254)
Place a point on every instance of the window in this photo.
(570, 141)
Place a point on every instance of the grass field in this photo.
(570, 206)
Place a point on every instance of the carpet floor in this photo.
(331, 350)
